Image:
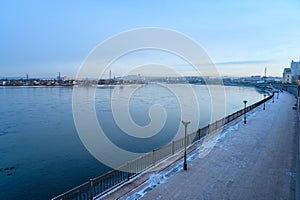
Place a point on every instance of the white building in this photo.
(295, 70)
(287, 75)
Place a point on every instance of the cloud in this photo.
(243, 62)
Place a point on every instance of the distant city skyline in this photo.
(242, 38)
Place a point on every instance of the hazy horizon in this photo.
(241, 38)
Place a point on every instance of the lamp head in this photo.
(185, 122)
(245, 101)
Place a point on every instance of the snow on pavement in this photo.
(252, 161)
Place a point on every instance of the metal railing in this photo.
(100, 185)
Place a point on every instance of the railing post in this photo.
(91, 189)
(153, 157)
(173, 147)
(208, 129)
(128, 170)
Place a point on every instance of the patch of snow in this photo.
(154, 180)
(292, 174)
(236, 126)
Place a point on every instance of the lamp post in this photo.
(245, 111)
(264, 102)
(273, 97)
(185, 123)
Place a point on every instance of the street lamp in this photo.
(185, 123)
(264, 102)
(245, 111)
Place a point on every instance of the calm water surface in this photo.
(41, 154)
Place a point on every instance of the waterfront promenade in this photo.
(256, 160)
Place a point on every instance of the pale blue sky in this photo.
(44, 37)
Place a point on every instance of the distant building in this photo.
(295, 70)
(254, 79)
(287, 75)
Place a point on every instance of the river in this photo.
(41, 153)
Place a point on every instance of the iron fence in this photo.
(98, 186)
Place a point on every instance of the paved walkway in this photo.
(252, 161)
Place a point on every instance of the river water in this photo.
(42, 155)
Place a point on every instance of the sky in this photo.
(42, 38)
